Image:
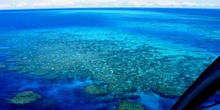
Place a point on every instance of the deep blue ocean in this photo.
(104, 58)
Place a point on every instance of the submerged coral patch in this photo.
(25, 97)
(95, 90)
(127, 105)
(121, 68)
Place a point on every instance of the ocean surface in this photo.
(105, 58)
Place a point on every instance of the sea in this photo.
(104, 58)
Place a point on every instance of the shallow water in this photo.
(81, 59)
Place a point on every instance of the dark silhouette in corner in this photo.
(205, 86)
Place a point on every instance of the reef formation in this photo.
(95, 90)
(25, 97)
(120, 67)
(126, 105)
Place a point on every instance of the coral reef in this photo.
(25, 97)
(122, 68)
(95, 90)
(126, 105)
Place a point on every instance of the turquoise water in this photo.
(83, 59)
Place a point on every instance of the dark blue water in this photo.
(81, 59)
